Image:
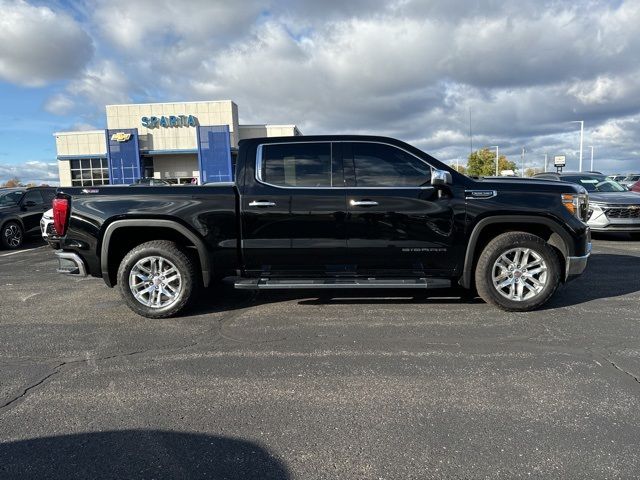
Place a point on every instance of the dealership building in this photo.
(177, 142)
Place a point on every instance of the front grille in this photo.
(623, 211)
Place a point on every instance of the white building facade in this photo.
(178, 142)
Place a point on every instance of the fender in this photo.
(203, 253)
(469, 257)
(16, 219)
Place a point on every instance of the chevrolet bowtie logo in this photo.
(120, 137)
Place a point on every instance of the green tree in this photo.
(482, 163)
(459, 168)
(530, 172)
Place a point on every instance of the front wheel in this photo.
(12, 235)
(517, 272)
(157, 279)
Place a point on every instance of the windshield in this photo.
(9, 199)
(595, 183)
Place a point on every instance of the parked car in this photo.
(630, 179)
(151, 182)
(46, 224)
(635, 187)
(47, 229)
(20, 212)
(616, 178)
(328, 212)
(612, 208)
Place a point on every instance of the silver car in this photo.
(612, 208)
(630, 179)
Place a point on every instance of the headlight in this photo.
(577, 204)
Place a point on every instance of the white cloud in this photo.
(38, 45)
(37, 172)
(145, 25)
(102, 84)
(59, 104)
(405, 68)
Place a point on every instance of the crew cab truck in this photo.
(327, 212)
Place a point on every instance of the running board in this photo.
(337, 283)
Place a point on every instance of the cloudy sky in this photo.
(522, 70)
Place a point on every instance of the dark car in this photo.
(612, 208)
(20, 212)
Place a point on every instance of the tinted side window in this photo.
(297, 164)
(378, 165)
(10, 199)
(48, 196)
(32, 196)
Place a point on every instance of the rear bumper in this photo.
(70, 263)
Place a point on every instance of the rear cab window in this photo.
(306, 165)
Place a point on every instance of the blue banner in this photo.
(214, 154)
(124, 156)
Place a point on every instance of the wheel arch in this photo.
(488, 228)
(148, 229)
(12, 218)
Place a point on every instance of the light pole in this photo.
(591, 147)
(545, 161)
(581, 122)
(523, 150)
(497, 158)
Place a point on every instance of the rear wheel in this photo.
(12, 235)
(157, 279)
(517, 272)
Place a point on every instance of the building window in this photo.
(87, 172)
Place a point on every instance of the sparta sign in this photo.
(170, 121)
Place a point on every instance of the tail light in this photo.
(60, 215)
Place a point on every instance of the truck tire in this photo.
(157, 279)
(12, 235)
(517, 272)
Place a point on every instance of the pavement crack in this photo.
(86, 361)
(620, 369)
(30, 387)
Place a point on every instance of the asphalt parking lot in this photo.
(284, 385)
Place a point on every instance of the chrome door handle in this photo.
(363, 203)
(262, 203)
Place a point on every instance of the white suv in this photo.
(46, 224)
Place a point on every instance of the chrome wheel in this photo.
(13, 235)
(519, 274)
(155, 282)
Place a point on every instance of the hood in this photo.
(618, 198)
(527, 184)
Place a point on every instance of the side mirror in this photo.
(441, 177)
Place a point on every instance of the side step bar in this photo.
(338, 283)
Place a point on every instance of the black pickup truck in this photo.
(327, 212)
